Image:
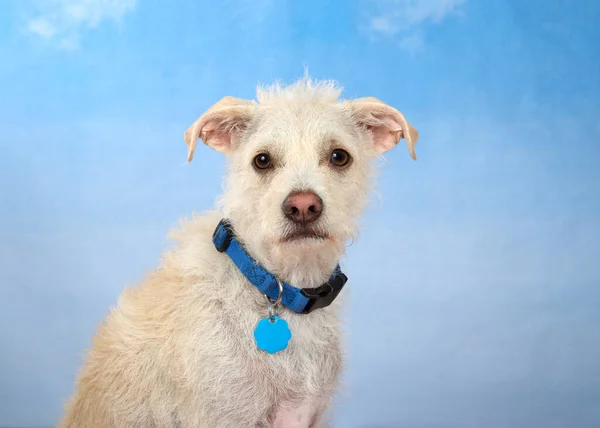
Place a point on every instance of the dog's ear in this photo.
(386, 123)
(224, 120)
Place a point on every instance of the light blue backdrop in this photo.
(475, 286)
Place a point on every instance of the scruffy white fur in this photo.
(178, 350)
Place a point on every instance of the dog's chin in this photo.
(304, 237)
(301, 241)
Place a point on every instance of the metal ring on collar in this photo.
(279, 297)
(274, 304)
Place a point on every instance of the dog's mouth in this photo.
(304, 234)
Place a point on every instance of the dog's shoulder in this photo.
(193, 252)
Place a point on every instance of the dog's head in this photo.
(300, 170)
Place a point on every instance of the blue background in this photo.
(475, 285)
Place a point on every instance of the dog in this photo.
(239, 325)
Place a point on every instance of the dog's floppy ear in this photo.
(216, 127)
(386, 123)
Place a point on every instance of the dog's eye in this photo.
(340, 157)
(263, 161)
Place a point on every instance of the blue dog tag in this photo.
(272, 335)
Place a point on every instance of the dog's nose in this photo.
(302, 207)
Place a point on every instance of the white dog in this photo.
(239, 327)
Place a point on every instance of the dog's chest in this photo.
(304, 376)
(287, 389)
(308, 366)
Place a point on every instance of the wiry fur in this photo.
(178, 350)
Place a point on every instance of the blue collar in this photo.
(300, 300)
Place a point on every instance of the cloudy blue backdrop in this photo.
(475, 294)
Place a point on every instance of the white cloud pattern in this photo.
(404, 18)
(63, 21)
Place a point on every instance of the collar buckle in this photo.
(324, 295)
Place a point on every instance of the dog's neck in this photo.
(274, 285)
(304, 265)
(302, 268)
